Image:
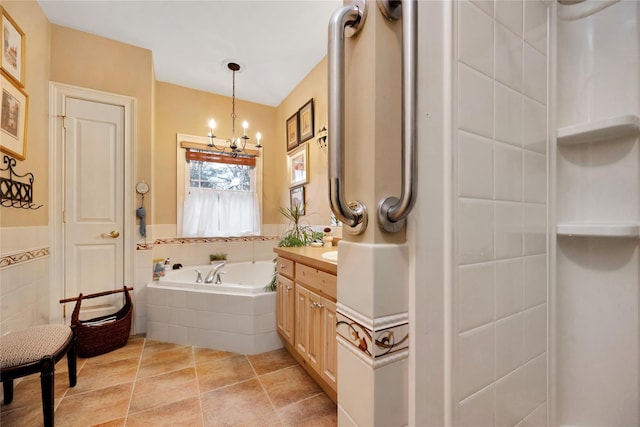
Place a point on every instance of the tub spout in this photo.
(212, 274)
(199, 279)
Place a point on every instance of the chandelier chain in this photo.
(233, 106)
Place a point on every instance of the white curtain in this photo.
(220, 213)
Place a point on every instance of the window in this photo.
(220, 197)
(220, 176)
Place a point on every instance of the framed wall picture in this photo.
(13, 46)
(305, 116)
(297, 198)
(13, 118)
(299, 166)
(293, 136)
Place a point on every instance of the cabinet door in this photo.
(329, 363)
(314, 331)
(284, 308)
(302, 311)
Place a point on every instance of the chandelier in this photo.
(234, 145)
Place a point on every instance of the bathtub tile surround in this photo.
(211, 316)
(373, 341)
(500, 282)
(189, 251)
(157, 383)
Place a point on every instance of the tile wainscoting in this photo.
(24, 277)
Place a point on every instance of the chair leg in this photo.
(47, 385)
(72, 362)
(7, 389)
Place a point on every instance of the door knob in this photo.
(114, 234)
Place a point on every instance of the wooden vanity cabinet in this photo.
(285, 308)
(315, 326)
(285, 299)
(311, 310)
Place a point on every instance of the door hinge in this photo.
(64, 311)
(64, 217)
(64, 121)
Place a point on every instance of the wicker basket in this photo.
(105, 333)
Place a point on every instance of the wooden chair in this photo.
(37, 349)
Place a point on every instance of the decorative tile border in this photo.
(7, 260)
(192, 240)
(375, 338)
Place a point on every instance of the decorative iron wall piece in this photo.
(15, 193)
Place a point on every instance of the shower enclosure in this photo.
(517, 277)
(597, 294)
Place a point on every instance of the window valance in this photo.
(204, 153)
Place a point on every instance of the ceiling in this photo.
(276, 42)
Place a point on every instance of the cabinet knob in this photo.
(289, 288)
(281, 266)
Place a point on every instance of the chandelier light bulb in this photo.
(212, 125)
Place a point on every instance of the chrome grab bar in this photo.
(352, 214)
(392, 212)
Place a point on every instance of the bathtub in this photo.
(239, 277)
(237, 315)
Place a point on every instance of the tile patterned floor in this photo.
(152, 383)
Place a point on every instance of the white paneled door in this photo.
(93, 203)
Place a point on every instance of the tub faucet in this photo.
(199, 279)
(212, 274)
(218, 279)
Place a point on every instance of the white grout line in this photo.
(264, 390)
(135, 378)
(195, 370)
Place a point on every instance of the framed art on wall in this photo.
(13, 46)
(292, 132)
(297, 198)
(298, 166)
(305, 116)
(13, 118)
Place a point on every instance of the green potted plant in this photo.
(220, 256)
(295, 235)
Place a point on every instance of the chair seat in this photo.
(31, 345)
(37, 349)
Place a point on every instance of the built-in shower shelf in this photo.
(602, 130)
(601, 229)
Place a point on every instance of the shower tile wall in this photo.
(500, 299)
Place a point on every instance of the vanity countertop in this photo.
(310, 256)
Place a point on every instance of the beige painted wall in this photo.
(318, 211)
(89, 61)
(182, 110)
(33, 22)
